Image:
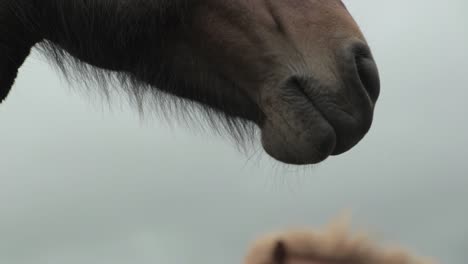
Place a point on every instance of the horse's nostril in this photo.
(369, 76)
(367, 70)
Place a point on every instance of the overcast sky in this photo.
(80, 183)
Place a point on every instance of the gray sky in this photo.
(80, 183)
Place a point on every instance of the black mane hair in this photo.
(74, 34)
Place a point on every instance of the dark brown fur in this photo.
(300, 70)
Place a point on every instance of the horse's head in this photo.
(300, 69)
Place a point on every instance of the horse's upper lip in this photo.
(350, 125)
(350, 122)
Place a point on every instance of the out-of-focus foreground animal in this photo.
(333, 245)
(300, 70)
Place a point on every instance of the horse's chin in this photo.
(300, 148)
(298, 135)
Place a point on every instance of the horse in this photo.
(300, 72)
(333, 244)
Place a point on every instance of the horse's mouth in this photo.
(305, 123)
(309, 118)
(295, 130)
(298, 135)
(350, 122)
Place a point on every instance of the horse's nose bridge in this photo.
(318, 31)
